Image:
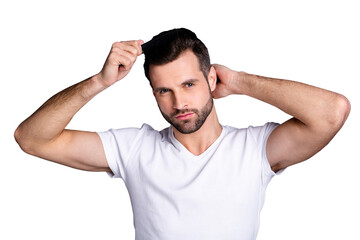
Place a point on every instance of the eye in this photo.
(163, 91)
(189, 85)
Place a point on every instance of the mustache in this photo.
(184, 111)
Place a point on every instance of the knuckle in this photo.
(126, 61)
(115, 45)
(115, 51)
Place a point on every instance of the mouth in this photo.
(184, 116)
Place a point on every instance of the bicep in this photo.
(77, 149)
(293, 142)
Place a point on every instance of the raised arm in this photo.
(43, 134)
(318, 114)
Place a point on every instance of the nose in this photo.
(179, 101)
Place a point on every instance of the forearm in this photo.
(49, 121)
(314, 107)
(318, 114)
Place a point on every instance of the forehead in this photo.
(186, 66)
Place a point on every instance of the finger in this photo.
(133, 47)
(218, 93)
(119, 57)
(216, 66)
(137, 45)
(215, 95)
(125, 47)
(126, 60)
(140, 43)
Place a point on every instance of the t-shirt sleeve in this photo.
(261, 135)
(118, 145)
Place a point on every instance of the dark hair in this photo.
(168, 45)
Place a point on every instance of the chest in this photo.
(220, 177)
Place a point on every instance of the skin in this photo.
(180, 88)
(318, 114)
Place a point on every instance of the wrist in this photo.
(241, 82)
(97, 83)
(91, 87)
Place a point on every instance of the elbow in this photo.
(340, 112)
(24, 144)
(17, 136)
(332, 118)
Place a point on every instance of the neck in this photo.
(199, 141)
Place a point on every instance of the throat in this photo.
(198, 144)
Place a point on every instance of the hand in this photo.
(229, 81)
(119, 62)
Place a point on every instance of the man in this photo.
(197, 179)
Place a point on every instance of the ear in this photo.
(212, 78)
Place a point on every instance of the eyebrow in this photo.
(192, 80)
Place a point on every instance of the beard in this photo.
(190, 125)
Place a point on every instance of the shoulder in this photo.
(269, 126)
(256, 133)
(144, 129)
(130, 135)
(262, 131)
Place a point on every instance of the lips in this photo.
(184, 116)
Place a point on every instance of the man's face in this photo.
(182, 92)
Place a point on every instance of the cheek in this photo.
(163, 104)
(204, 96)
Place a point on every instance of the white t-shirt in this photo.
(176, 195)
